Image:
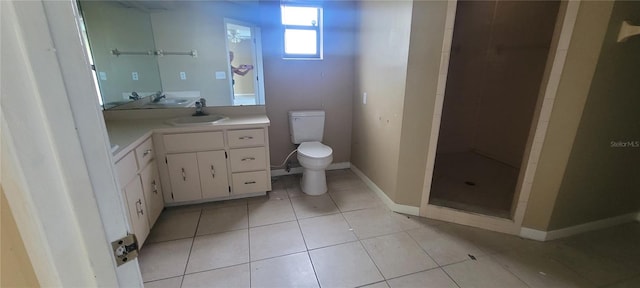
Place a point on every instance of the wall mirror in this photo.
(168, 54)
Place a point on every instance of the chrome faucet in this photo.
(199, 105)
(155, 98)
(134, 96)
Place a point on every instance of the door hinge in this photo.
(229, 189)
(225, 155)
(172, 195)
(125, 249)
(165, 160)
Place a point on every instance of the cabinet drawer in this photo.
(126, 169)
(249, 182)
(248, 159)
(246, 138)
(144, 153)
(190, 142)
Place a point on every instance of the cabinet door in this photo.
(184, 178)
(213, 174)
(137, 209)
(152, 192)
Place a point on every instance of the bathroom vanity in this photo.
(160, 165)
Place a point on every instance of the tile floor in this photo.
(348, 238)
(473, 182)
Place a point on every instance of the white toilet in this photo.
(307, 128)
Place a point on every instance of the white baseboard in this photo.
(533, 234)
(577, 229)
(400, 208)
(298, 170)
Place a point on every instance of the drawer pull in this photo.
(248, 159)
(184, 175)
(246, 138)
(155, 187)
(139, 211)
(250, 182)
(213, 172)
(146, 152)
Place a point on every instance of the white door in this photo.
(53, 130)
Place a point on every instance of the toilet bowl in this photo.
(307, 128)
(314, 157)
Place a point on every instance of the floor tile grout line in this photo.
(305, 242)
(372, 260)
(422, 248)
(213, 269)
(161, 279)
(454, 280)
(313, 267)
(506, 269)
(191, 249)
(417, 272)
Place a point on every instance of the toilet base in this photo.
(313, 182)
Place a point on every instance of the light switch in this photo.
(183, 75)
(134, 76)
(102, 75)
(221, 75)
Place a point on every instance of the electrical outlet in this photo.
(183, 75)
(102, 75)
(134, 76)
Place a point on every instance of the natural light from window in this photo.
(302, 32)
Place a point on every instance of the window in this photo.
(302, 31)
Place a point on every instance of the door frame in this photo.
(70, 212)
(256, 38)
(548, 89)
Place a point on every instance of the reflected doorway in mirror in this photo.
(245, 63)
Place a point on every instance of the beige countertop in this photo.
(127, 134)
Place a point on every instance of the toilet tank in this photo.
(305, 126)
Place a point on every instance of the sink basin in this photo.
(197, 120)
(171, 102)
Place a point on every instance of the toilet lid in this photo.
(314, 150)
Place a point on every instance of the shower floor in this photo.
(474, 183)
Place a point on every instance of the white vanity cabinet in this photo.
(215, 165)
(140, 183)
(249, 166)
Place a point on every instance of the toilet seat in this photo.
(314, 150)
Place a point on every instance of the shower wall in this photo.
(498, 55)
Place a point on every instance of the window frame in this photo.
(318, 28)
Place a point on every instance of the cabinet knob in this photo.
(146, 152)
(184, 175)
(248, 159)
(213, 172)
(246, 138)
(250, 182)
